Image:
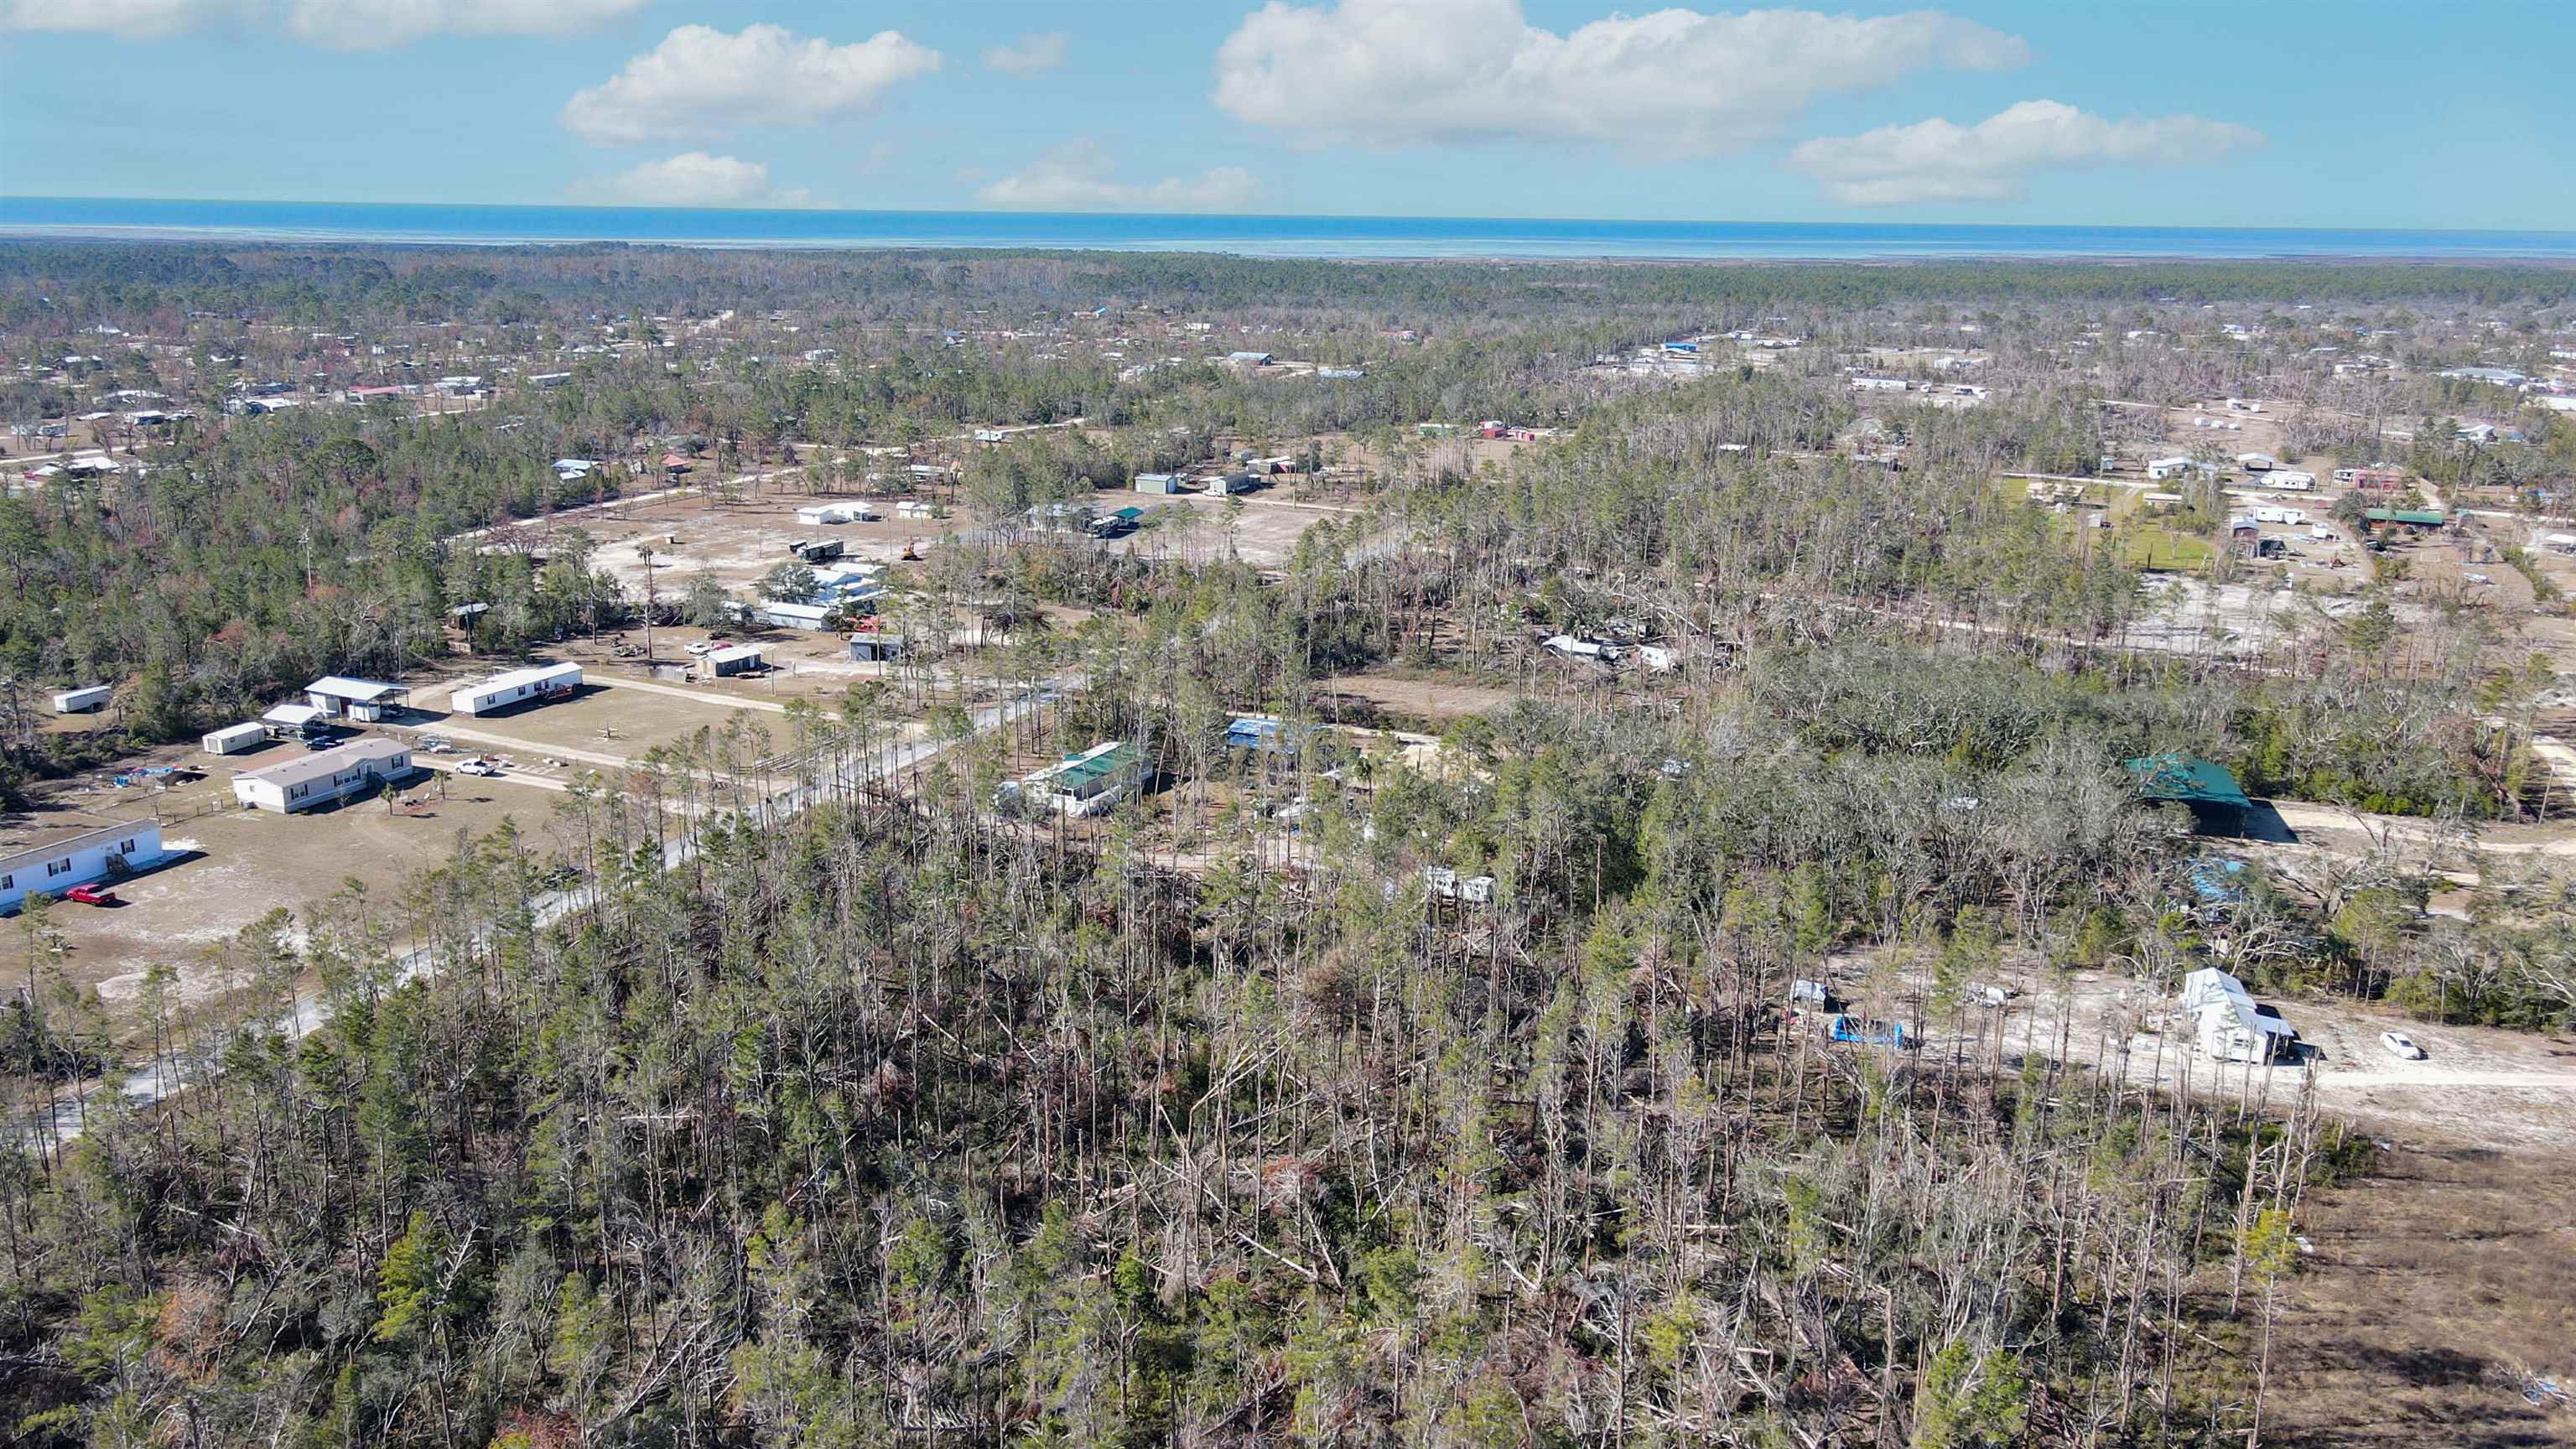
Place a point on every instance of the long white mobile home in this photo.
(360, 767)
(501, 691)
(49, 859)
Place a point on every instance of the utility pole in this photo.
(646, 550)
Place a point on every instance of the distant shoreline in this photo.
(1380, 239)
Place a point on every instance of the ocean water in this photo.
(1259, 236)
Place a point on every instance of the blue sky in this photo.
(2290, 114)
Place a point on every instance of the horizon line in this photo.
(1292, 216)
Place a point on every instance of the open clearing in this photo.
(736, 543)
(1371, 695)
(233, 866)
(2439, 1274)
(602, 725)
(1263, 530)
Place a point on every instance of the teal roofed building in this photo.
(2216, 801)
(1083, 784)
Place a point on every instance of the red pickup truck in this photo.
(91, 895)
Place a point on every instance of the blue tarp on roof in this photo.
(2218, 880)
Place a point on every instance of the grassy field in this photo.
(2154, 547)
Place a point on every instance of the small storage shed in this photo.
(870, 647)
(737, 659)
(233, 739)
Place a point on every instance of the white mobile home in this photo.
(1566, 646)
(82, 700)
(1083, 784)
(817, 515)
(2289, 480)
(781, 614)
(233, 739)
(545, 681)
(361, 767)
(2162, 468)
(47, 860)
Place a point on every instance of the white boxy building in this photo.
(49, 859)
(501, 691)
(2230, 1027)
(233, 739)
(360, 767)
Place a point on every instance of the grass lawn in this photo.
(2153, 547)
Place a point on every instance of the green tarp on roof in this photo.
(2188, 779)
(1083, 769)
(2421, 517)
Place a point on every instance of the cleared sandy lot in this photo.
(736, 543)
(230, 866)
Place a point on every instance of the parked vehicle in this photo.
(91, 895)
(477, 765)
(1862, 1032)
(2401, 1046)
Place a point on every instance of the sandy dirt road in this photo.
(2476, 1086)
(697, 696)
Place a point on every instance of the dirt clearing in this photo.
(2440, 1277)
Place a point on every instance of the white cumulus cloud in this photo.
(1028, 53)
(341, 24)
(133, 19)
(701, 82)
(1077, 177)
(1937, 160)
(693, 178)
(376, 24)
(1673, 83)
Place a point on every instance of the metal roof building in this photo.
(2217, 803)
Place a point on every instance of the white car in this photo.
(2401, 1045)
(701, 647)
(477, 766)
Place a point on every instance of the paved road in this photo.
(166, 1077)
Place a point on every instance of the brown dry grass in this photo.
(2436, 1273)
